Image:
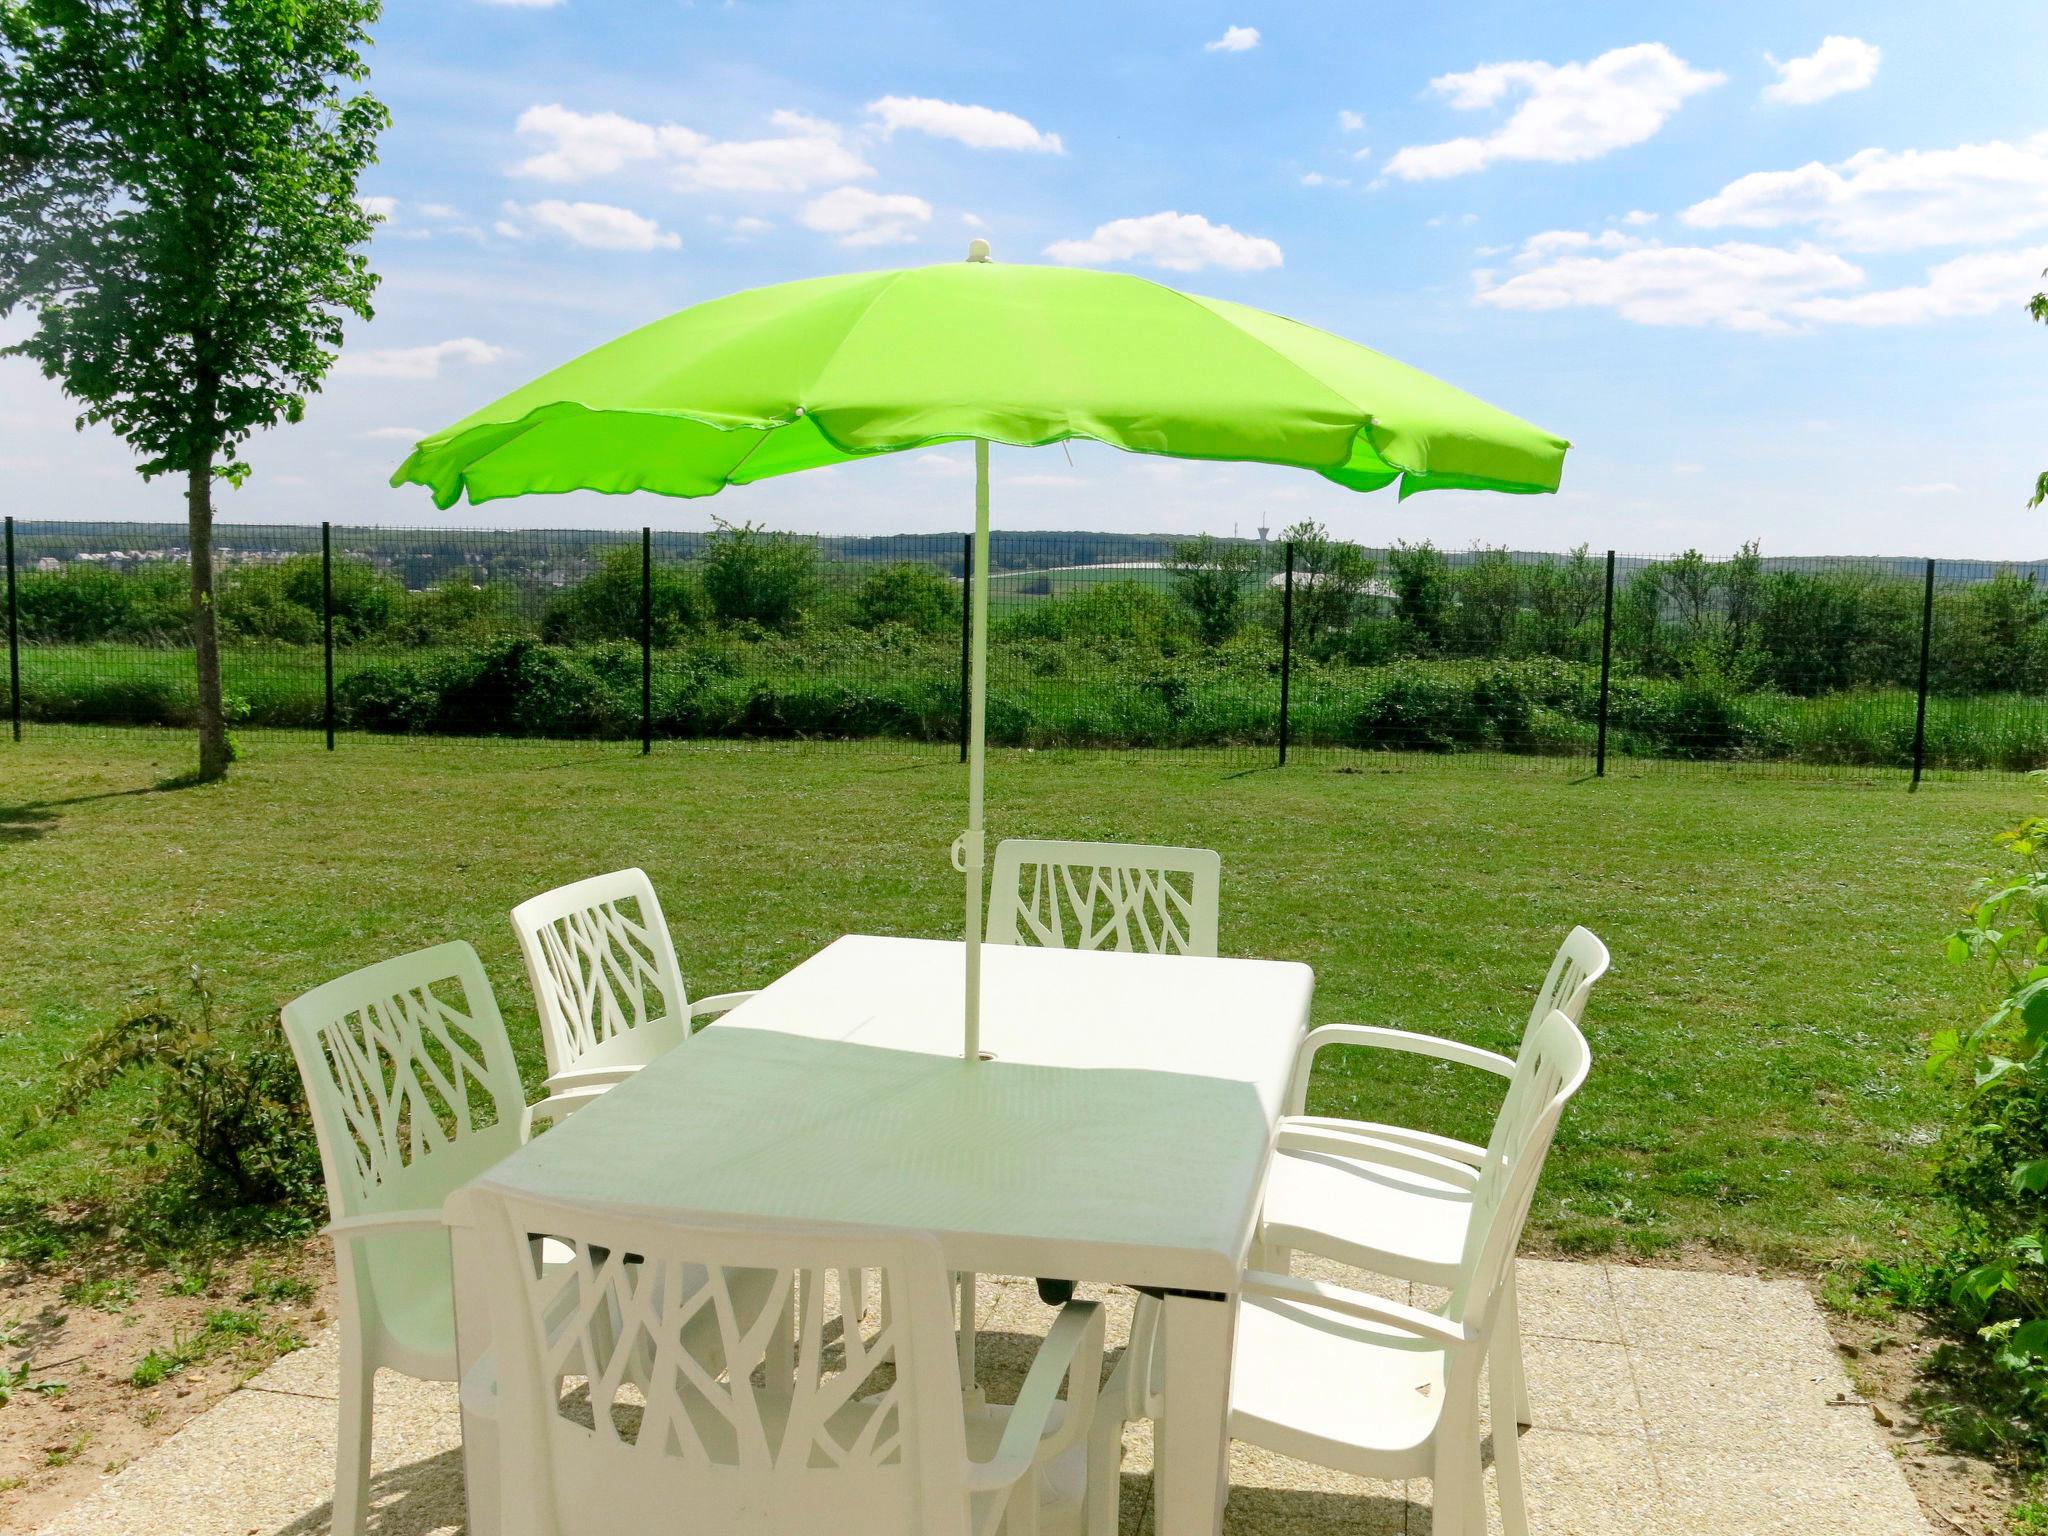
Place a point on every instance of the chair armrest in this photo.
(381, 1224)
(722, 1002)
(555, 1108)
(1072, 1352)
(1421, 1141)
(1296, 1137)
(1386, 1040)
(1359, 1304)
(576, 1079)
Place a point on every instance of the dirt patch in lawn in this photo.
(100, 1362)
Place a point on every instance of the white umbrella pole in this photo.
(971, 849)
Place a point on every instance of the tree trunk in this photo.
(213, 730)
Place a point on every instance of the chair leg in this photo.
(969, 1385)
(1105, 1471)
(1457, 1484)
(1507, 1474)
(352, 1439)
(1510, 1378)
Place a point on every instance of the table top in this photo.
(1120, 1133)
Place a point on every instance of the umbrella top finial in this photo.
(977, 250)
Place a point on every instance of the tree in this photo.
(910, 593)
(1329, 577)
(752, 576)
(1211, 579)
(178, 210)
(1422, 593)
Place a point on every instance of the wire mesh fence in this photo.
(1267, 648)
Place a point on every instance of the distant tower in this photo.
(1263, 531)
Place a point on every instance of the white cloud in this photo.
(580, 146)
(858, 217)
(395, 434)
(1234, 40)
(1351, 122)
(508, 229)
(1318, 179)
(976, 127)
(1747, 287)
(1635, 218)
(1567, 112)
(1743, 287)
(417, 362)
(747, 226)
(1839, 64)
(1881, 200)
(1932, 488)
(598, 226)
(1180, 242)
(379, 207)
(974, 221)
(941, 464)
(439, 211)
(1978, 284)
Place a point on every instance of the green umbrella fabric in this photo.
(806, 374)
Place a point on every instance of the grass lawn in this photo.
(1756, 1082)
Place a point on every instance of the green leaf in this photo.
(2030, 1178)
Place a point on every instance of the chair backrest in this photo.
(1104, 896)
(414, 1091)
(1553, 1063)
(410, 1078)
(622, 1413)
(604, 973)
(1581, 960)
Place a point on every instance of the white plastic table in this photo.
(1120, 1134)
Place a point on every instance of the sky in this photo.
(1764, 264)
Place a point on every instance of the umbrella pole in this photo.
(972, 844)
(970, 849)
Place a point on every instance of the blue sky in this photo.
(1763, 264)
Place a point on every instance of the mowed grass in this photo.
(1756, 1084)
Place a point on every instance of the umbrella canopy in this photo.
(807, 374)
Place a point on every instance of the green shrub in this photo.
(910, 594)
(605, 605)
(232, 1105)
(283, 602)
(87, 602)
(752, 576)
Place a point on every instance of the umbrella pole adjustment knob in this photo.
(977, 250)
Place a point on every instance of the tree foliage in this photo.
(1214, 579)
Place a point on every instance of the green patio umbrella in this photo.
(806, 374)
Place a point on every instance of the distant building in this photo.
(49, 565)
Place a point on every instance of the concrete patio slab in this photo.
(1665, 1402)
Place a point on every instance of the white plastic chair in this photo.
(413, 1091)
(1393, 1200)
(627, 1428)
(1104, 896)
(1373, 1387)
(605, 977)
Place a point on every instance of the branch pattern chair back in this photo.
(794, 1420)
(414, 1091)
(1581, 960)
(1552, 1065)
(604, 975)
(1105, 896)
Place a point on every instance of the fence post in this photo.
(1926, 650)
(646, 641)
(1606, 668)
(327, 626)
(13, 638)
(966, 631)
(1286, 648)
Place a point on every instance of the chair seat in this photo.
(1389, 1219)
(1334, 1390)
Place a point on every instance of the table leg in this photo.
(472, 1346)
(1192, 1460)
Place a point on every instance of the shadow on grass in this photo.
(30, 819)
